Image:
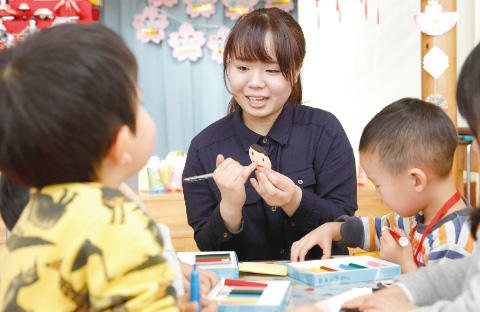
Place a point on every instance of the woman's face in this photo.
(259, 88)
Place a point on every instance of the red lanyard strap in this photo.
(448, 204)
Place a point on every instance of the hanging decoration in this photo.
(438, 100)
(435, 62)
(205, 8)
(216, 43)
(236, 8)
(159, 3)
(434, 22)
(19, 18)
(186, 43)
(339, 5)
(150, 25)
(286, 5)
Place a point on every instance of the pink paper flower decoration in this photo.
(186, 43)
(434, 22)
(235, 8)
(286, 5)
(205, 8)
(216, 44)
(158, 3)
(150, 25)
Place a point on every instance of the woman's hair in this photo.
(468, 101)
(64, 94)
(247, 41)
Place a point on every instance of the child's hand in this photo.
(391, 299)
(321, 236)
(185, 306)
(277, 190)
(208, 279)
(390, 250)
(230, 177)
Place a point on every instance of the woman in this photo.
(312, 179)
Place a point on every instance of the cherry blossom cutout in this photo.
(216, 43)
(286, 5)
(150, 25)
(235, 8)
(187, 43)
(195, 8)
(434, 22)
(159, 3)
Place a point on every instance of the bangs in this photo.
(250, 45)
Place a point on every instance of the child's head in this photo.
(404, 144)
(268, 36)
(69, 100)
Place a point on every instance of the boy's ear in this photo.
(119, 151)
(418, 178)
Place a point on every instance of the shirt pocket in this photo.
(304, 178)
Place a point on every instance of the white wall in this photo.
(355, 67)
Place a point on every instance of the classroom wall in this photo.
(355, 67)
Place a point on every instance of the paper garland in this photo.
(150, 25)
(216, 44)
(434, 22)
(205, 8)
(186, 43)
(286, 5)
(158, 3)
(236, 8)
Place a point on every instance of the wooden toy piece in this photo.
(258, 154)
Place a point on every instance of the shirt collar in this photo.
(279, 132)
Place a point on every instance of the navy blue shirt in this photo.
(306, 144)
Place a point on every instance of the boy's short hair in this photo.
(64, 94)
(411, 132)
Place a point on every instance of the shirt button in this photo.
(265, 140)
(300, 181)
(282, 251)
(274, 209)
(292, 224)
(225, 235)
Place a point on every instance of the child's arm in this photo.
(322, 236)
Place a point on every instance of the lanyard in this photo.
(448, 204)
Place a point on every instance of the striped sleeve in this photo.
(374, 226)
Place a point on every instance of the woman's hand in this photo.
(321, 236)
(277, 190)
(230, 177)
(391, 251)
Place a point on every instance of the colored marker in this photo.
(346, 267)
(195, 287)
(401, 240)
(327, 269)
(357, 266)
(232, 282)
